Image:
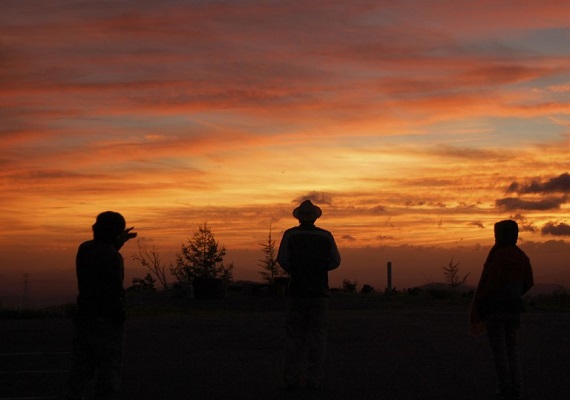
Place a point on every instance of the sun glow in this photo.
(408, 133)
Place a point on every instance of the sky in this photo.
(415, 126)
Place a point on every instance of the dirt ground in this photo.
(233, 349)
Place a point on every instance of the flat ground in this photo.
(233, 348)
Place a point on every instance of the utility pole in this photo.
(26, 298)
(389, 271)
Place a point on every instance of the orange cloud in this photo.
(406, 126)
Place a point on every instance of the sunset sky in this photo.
(415, 125)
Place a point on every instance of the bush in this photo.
(143, 285)
(367, 289)
(349, 286)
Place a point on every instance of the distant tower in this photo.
(389, 271)
(26, 296)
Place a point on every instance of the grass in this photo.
(403, 346)
(58, 311)
(558, 301)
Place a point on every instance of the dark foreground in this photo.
(232, 349)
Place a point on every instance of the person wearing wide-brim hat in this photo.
(307, 212)
(307, 253)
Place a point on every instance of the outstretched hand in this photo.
(124, 237)
(127, 234)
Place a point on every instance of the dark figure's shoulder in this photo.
(300, 230)
(85, 246)
(522, 254)
(95, 246)
(512, 253)
(92, 244)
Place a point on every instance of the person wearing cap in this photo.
(307, 253)
(98, 339)
(497, 305)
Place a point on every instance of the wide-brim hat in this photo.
(307, 211)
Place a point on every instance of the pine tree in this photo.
(452, 276)
(271, 268)
(201, 257)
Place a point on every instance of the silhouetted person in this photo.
(307, 253)
(497, 305)
(98, 340)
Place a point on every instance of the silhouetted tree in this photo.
(271, 268)
(150, 259)
(349, 286)
(452, 275)
(201, 257)
(367, 289)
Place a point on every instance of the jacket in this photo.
(308, 253)
(506, 277)
(100, 275)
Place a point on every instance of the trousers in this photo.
(502, 332)
(305, 340)
(96, 360)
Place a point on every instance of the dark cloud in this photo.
(559, 184)
(554, 229)
(41, 174)
(349, 238)
(477, 224)
(316, 197)
(515, 203)
(468, 153)
(415, 203)
(524, 224)
(385, 237)
(378, 210)
(528, 228)
(466, 206)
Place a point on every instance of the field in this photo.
(232, 349)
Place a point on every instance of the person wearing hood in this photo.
(307, 253)
(497, 306)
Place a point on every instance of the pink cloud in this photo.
(228, 112)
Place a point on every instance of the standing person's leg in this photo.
(496, 332)
(295, 341)
(512, 333)
(110, 359)
(84, 360)
(317, 341)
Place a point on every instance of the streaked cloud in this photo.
(524, 224)
(477, 224)
(406, 122)
(559, 184)
(315, 197)
(514, 203)
(556, 229)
